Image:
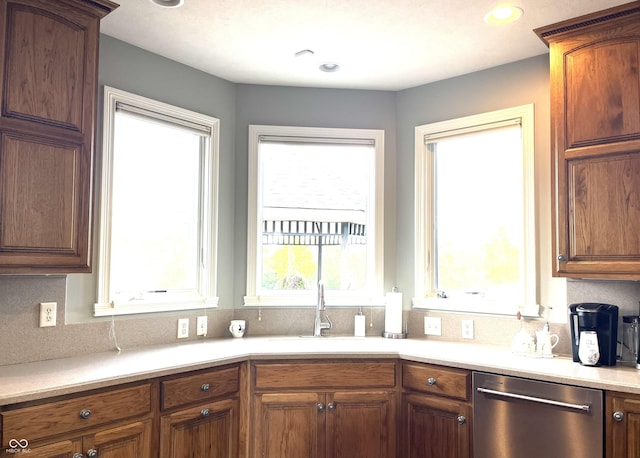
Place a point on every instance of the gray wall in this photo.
(129, 68)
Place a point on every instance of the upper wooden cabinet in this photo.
(48, 90)
(595, 143)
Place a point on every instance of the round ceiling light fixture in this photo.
(504, 14)
(329, 67)
(168, 3)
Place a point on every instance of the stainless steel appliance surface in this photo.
(520, 418)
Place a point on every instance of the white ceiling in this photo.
(380, 44)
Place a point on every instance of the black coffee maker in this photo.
(601, 318)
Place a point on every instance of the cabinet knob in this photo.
(462, 420)
(204, 413)
(85, 413)
(205, 387)
(562, 257)
(320, 407)
(431, 381)
(92, 453)
(77, 455)
(331, 406)
(618, 416)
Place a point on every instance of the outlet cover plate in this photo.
(48, 314)
(183, 328)
(467, 329)
(201, 325)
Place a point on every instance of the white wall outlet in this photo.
(183, 328)
(467, 329)
(48, 314)
(432, 326)
(201, 326)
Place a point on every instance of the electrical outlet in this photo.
(48, 314)
(432, 326)
(467, 329)
(201, 326)
(183, 328)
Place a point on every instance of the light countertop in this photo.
(38, 380)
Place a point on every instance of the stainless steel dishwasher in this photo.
(520, 418)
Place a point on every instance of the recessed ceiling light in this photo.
(503, 15)
(168, 3)
(329, 67)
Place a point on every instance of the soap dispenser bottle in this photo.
(360, 324)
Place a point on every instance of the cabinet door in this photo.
(206, 431)
(289, 425)
(127, 441)
(360, 424)
(48, 82)
(435, 427)
(595, 142)
(622, 426)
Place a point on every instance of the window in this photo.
(158, 209)
(475, 239)
(315, 213)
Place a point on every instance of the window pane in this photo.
(479, 213)
(155, 207)
(315, 204)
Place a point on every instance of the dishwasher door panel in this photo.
(521, 418)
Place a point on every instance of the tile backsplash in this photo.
(22, 340)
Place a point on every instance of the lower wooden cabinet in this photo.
(207, 431)
(101, 424)
(328, 409)
(436, 412)
(622, 425)
(200, 414)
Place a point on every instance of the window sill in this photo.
(109, 309)
(310, 300)
(475, 305)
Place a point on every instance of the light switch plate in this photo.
(432, 326)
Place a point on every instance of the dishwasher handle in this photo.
(582, 407)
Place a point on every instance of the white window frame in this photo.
(426, 296)
(254, 295)
(206, 296)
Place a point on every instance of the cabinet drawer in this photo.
(325, 375)
(438, 380)
(199, 387)
(77, 413)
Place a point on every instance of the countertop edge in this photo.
(34, 381)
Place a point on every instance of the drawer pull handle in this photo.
(618, 416)
(431, 381)
(85, 413)
(462, 420)
(204, 412)
(92, 453)
(320, 407)
(331, 406)
(205, 387)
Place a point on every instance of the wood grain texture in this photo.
(450, 382)
(431, 428)
(188, 389)
(325, 375)
(188, 433)
(622, 438)
(48, 91)
(63, 417)
(595, 139)
(130, 440)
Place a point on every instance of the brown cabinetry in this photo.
(324, 409)
(436, 412)
(201, 414)
(595, 143)
(111, 424)
(622, 423)
(48, 90)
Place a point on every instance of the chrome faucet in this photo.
(319, 325)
